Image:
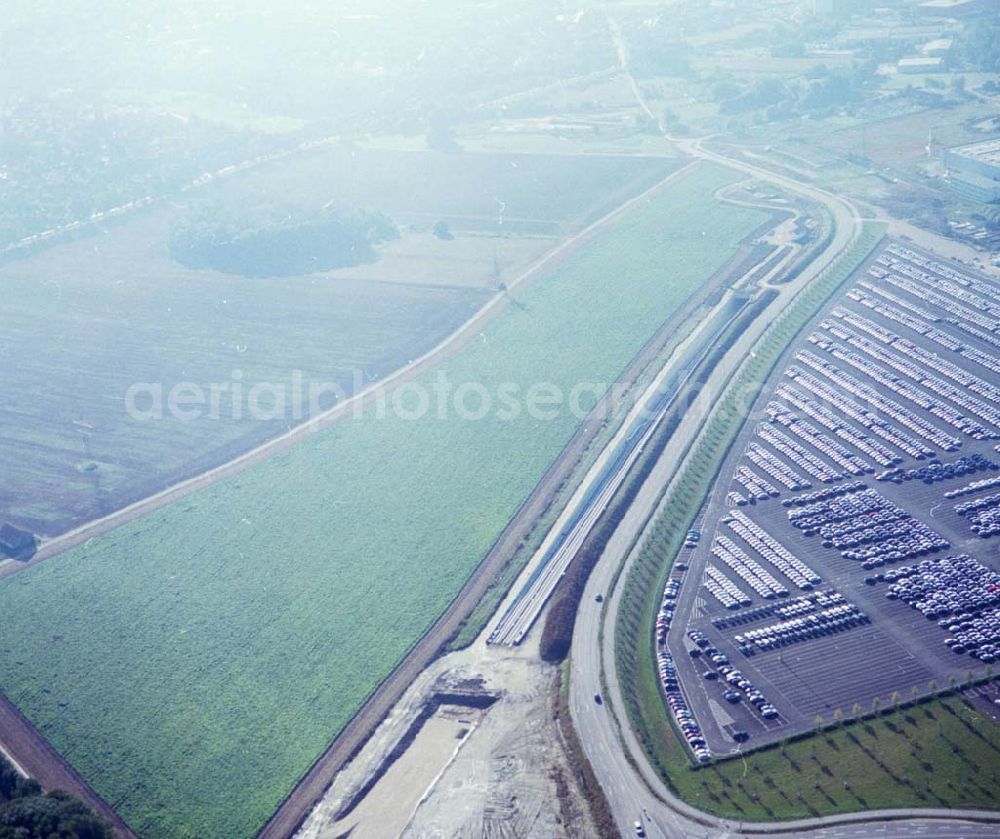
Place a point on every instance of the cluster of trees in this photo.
(820, 91)
(65, 157)
(27, 813)
(272, 242)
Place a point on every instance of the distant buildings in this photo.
(922, 64)
(938, 48)
(955, 8)
(974, 171)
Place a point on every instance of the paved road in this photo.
(633, 789)
(607, 476)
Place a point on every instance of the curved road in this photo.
(633, 789)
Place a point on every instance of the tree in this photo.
(895, 699)
(442, 230)
(876, 704)
(276, 241)
(441, 133)
(838, 717)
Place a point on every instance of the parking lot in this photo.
(873, 448)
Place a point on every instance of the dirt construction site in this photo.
(471, 750)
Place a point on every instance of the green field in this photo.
(193, 663)
(939, 754)
(85, 320)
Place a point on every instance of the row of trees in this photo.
(26, 813)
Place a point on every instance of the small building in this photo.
(924, 64)
(955, 8)
(16, 543)
(938, 48)
(974, 171)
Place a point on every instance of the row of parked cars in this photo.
(961, 593)
(978, 635)
(849, 462)
(878, 452)
(966, 379)
(785, 609)
(849, 383)
(829, 621)
(870, 360)
(758, 488)
(964, 304)
(935, 470)
(962, 318)
(868, 528)
(772, 550)
(901, 252)
(905, 318)
(973, 487)
(785, 445)
(982, 514)
(823, 494)
(903, 356)
(736, 499)
(776, 468)
(725, 590)
(881, 296)
(683, 715)
(860, 414)
(668, 605)
(747, 569)
(736, 685)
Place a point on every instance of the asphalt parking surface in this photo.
(899, 650)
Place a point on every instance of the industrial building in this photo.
(974, 171)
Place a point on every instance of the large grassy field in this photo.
(943, 753)
(193, 663)
(85, 320)
(490, 192)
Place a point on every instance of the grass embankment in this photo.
(193, 663)
(644, 584)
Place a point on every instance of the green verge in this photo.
(192, 664)
(634, 654)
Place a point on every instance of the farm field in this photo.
(498, 193)
(71, 452)
(194, 662)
